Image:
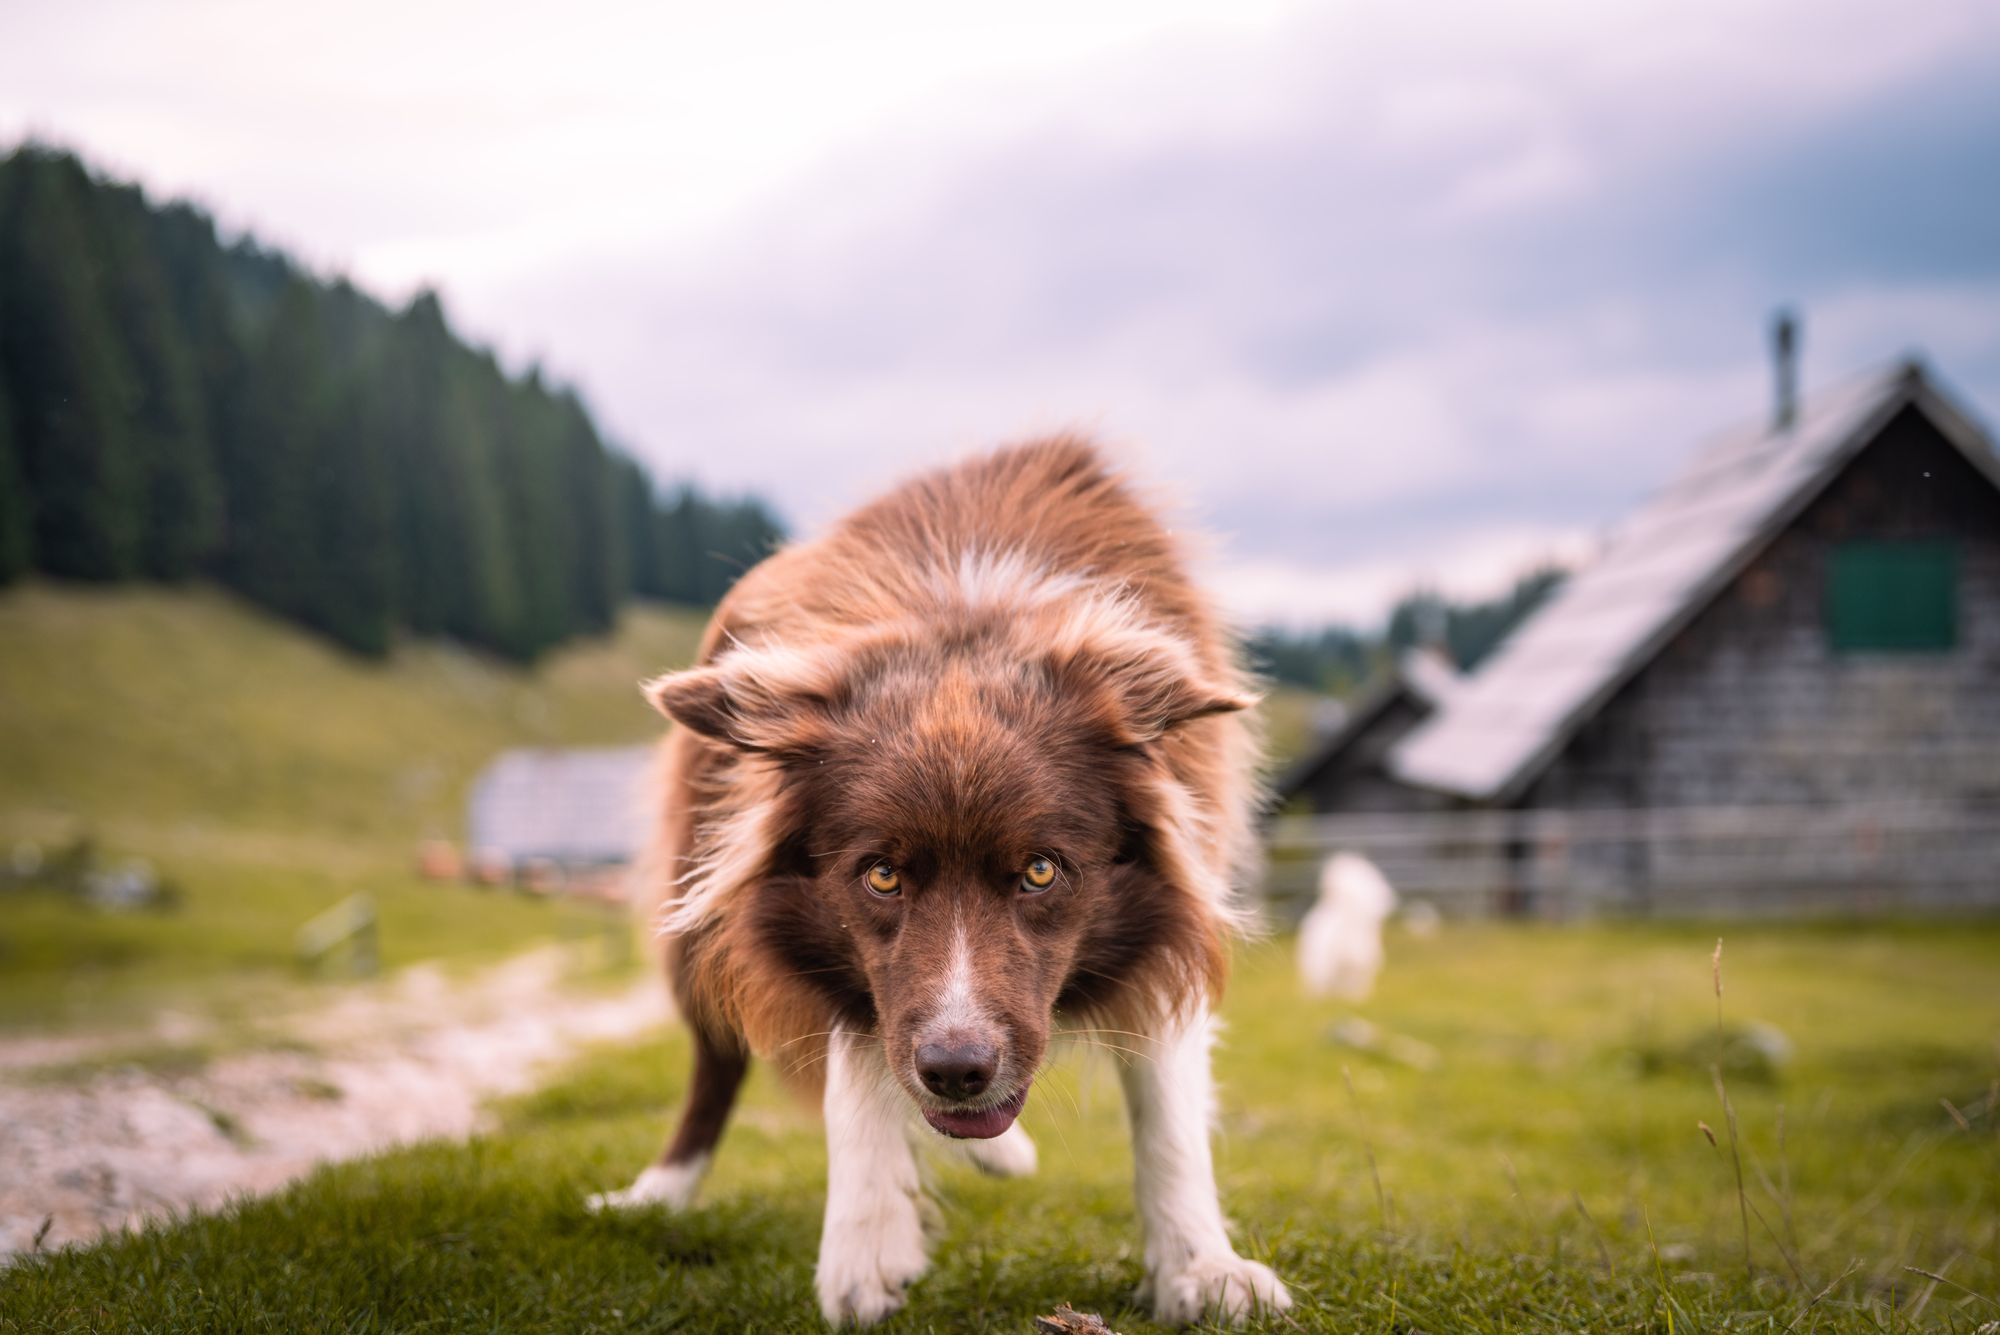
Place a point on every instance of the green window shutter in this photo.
(1900, 596)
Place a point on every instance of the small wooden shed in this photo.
(576, 809)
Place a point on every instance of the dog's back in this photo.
(1023, 523)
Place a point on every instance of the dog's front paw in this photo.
(1226, 1288)
(859, 1300)
(1009, 1154)
(867, 1262)
(669, 1185)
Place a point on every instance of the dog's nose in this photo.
(960, 1071)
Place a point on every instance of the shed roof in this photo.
(1423, 675)
(577, 807)
(1495, 733)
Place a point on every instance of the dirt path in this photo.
(411, 1059)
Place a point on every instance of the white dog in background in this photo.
(1340, 941)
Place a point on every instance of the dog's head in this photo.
(968, 830)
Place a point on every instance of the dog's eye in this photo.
(1040, 875)
(884, 879)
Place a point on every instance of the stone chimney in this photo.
(1785, 362)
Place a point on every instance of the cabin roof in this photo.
(1656, 571)
(1423, 675)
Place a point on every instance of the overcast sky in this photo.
(1386, 293)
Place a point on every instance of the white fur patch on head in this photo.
(1004, 579)
(959, 1008)
(1114, 624)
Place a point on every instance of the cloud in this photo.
(1387, 292)
(1499, 282)
(1470, 564)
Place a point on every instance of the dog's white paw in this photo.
(1009, 1154)
(868, 1258)
(860, 1300)
(1225, 1288)
(670, 1185)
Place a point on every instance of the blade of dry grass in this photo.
(1941, 1279)
(1603, 1247)
(1368, 1149)
(1852, 1266)
(1729, 1110)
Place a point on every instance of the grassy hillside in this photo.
(1515, 1146)
(159, 714)
(268, 775)
(149, 706)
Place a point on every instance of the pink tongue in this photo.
(982, 1125)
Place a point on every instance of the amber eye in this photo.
(884, 879)
(1040, 875)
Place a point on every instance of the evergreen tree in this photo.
(735, 536)
(169, 405)
(525, 431)
(451, 562)
(484, 607)
(270, 459)
(406, 393)
(205, 314)
(16, 538)
(586, 498)
(677, 541)
(633, 503)
(71, 388)
(349, 591)
(1332, 660)
(351, 597)
(181, 502)
(1471, 631)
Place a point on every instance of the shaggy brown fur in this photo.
(997, 662)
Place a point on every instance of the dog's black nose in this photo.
(961, 1071)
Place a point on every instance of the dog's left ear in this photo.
(1154, 677)
(768, 700)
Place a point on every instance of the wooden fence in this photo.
(1880, 858)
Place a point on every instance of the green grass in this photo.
(1546, 1172)
(268, 775)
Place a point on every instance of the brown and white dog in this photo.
(962, 772)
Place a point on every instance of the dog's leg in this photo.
(1009, 1154)
(1191, 1269)
(873, 1244)
(672, 1181)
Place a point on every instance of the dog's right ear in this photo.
(1152, 674)
(768, 700)
(697, 699)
